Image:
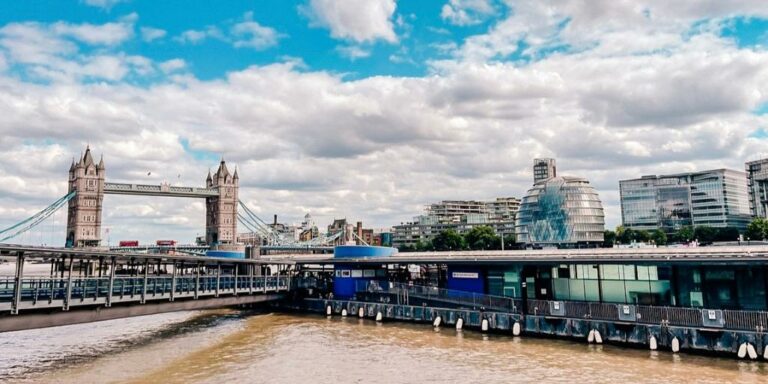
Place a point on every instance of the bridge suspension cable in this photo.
(32, 221)
(258, 226)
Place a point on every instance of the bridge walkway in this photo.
(83, 285)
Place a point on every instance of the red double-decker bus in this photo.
(129, 243)
(166, 243)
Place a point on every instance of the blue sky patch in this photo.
(747, 31)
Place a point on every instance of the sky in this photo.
(372, 109)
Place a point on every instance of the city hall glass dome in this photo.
(561, 211)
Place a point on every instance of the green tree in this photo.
(625, 235)
(423, 246)
(482, 237)
(629, 235)
(659, 237)
(684, 234)
(620, 233)
(609, 238)
(704, 234)
(642, 236)
(757, 229)
(727, 234)
(405, 248)
(448, 240)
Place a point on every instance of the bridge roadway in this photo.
(85, 285)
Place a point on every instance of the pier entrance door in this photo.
(538, 282)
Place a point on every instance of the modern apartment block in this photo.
(757, 185)
(544, 169)
(459, 215)
(715, 198)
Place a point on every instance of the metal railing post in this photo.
(197, 280)
(17, 284)
(173, 282)
(111, 282)
(218, 278)
(236, 276)
(265, 283)
(144, 287)
(69, 284)
(250, 278)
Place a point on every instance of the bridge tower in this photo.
(221, 211)
(84, 213)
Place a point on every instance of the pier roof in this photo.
(717, 254)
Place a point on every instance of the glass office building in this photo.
(561, 211)
(716, 198)
(757, 184)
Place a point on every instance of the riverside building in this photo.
(563, 212)
(559, 211)
(460, 216)
(757, 185)
(715, 198)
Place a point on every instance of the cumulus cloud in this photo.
(150, 34)
(360, 21)
(251, 34)
(607, 26)
(245, 33)
(53, 51)
(104, 34)
(467, 12)
(173, 65)
(353, 52)
(104, 4)
(194, 36)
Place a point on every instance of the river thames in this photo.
(233, 346)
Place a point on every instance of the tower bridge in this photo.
(87, 186)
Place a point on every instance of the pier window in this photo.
(579, 284)
(723, 287)
(504, 282)
(617, 283)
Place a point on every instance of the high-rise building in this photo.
(543, 169)
(757, 185)
(715, 198)
(565, 212)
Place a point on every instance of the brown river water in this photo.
(231, 346)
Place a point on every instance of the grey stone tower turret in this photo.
(221, 211)
(86, 178)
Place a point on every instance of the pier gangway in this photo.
(68, 286)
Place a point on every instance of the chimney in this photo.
(359, 231)
(275, 222)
